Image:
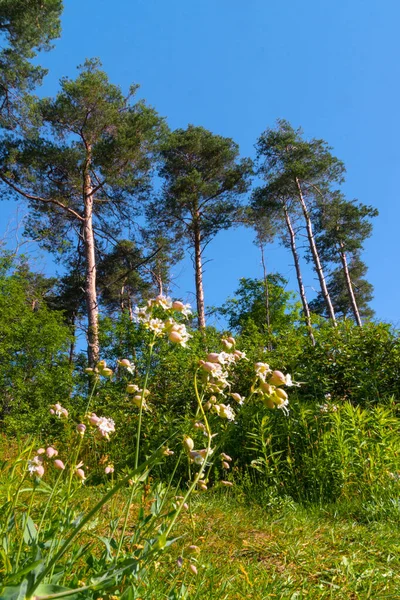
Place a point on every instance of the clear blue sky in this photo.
(234, 67)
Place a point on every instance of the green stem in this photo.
(151, 346)
(25, 524)
(142, 469)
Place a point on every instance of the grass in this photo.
(294, 553)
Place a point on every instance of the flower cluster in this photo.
(104, 425)
(37, 464)
(216, 370)
(269, 384)
(100, 369)
(58, 411)
(165, 307)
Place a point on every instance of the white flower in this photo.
(105, 427)
(262, 370)
(35, 467)
(156, 325)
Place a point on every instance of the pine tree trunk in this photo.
(199, 278)
(306, 309)
(349, 286)
(90, 274)
(315, 255)
(266, 288)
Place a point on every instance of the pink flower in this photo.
(109, 469)
(81, 428)
(94, 419)
(59, 464)
(81, 474)
(51, 452)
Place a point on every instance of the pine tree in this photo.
(296, 171)
(204, 181)
(82, 174)
(341, 229)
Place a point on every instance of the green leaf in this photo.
(30, 531)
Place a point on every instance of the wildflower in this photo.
(163, 301)
(58, 410)
(240, 355)
(196, 457)
(51, 452)
(157, 326)
(94, 419)
(179, 562)
(41, 451)
(105, 427)
(227, 483)
(35, 467)
(168, 452)
(228, 343)
(126, 364)
(199, 425)
(193, 569)
(281, 394)
(106, 372)
(224, 456)
(226, 412)
(202, 485)
(102, 364)
(59, 464)
(132, 388)
(225, 464)
(262, 370)
(268, 402)
(277, 378)
(109, 469)
(81, 428)
(185, 309)
(188, 443)
(81, 474)
(175, 337)
(239, 399)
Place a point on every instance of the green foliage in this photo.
(26, 26)
(248, 306)
(33, 361)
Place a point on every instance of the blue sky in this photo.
(235, 67)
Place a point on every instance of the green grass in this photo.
(295, 553)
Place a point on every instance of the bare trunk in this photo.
(349, 286)
(315, 255)
(266, 289)
(90, 274)
(199, 279)
(306, 309)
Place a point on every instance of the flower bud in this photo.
(277, 378)
(137, 400)
(268, 402)
(59, 464)
(281, 394)
(131, 388)
(213, 357)
(237, 397)
(124, 362)
(81, 428)
(51, 452)
(106, 372)
(94, 419)
(188, 443)
(178, 305)
(226, 344)
(102, 364)
(89, 371)
(80, 473)
(225, 464)
(207, 406)
(224, 456)
(175, 337)
(267, 388)
(41, 451)
(193, 569)
(192, 549)
(39, 470)
(227, 483)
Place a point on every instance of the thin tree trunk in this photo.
(199, 278)
(349, 286)
(306, 309)
(315, 255)
(266, 289)
(90, 274)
